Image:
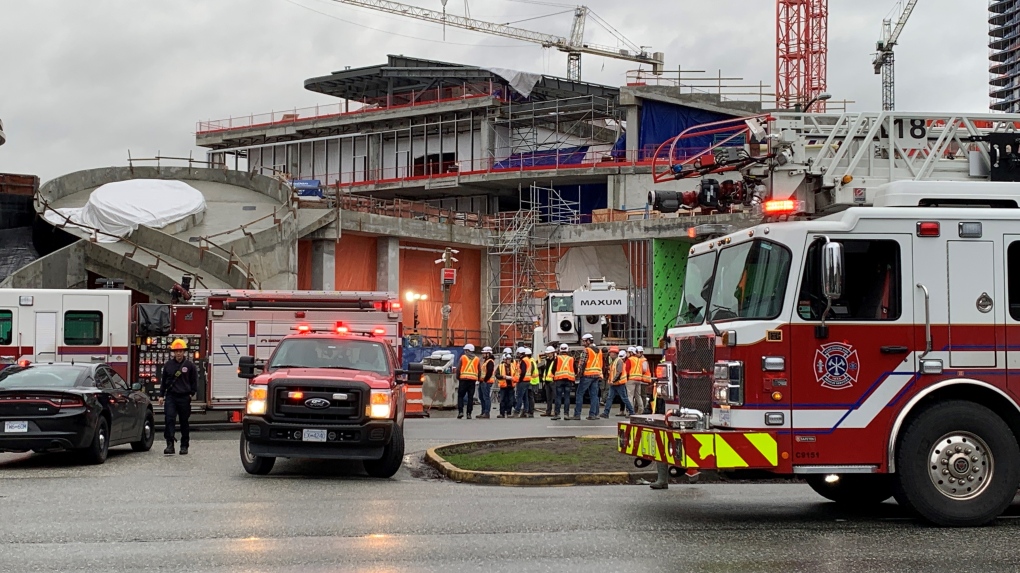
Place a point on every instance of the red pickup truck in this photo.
(332, 395)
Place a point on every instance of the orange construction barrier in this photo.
(414, 406)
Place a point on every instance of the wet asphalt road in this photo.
(147, 512)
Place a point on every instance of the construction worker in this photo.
(547, 368)
(506, 373)
(467, 374)
(617, 385)
(485, 380)
(564, 376)
(536, 383)
(635, 384)
(522, 385)
(178, 386)
(645, 374)
(590, 377)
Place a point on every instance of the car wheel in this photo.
(144, 444)
(255, 465)
(853, 489)
(957, 464)
(100, 448)
(392, 458)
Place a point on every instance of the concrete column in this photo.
(490, 277)
(488, 141)
(375, 160)
(633, 132)
(323, 265)
(387, 276)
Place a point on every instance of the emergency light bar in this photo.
(710, 230)
(778, 207)
(338, 328)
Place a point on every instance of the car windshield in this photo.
(44, 376)
(331, 353)
(750, 281)
(696, 289)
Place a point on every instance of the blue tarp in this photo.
(662, 121)
(544, 158)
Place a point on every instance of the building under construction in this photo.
(1004, 55)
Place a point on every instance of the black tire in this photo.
(953, 440)
(148, 436)
(393, 457)
(255, 465)
(853, 490)
(99, 449)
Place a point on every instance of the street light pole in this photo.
(447, 263)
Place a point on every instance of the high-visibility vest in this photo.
(564, 368)
(633, 369)
(643, 371)
(485, 368)
(504, 375)
(614, 378)
(468, 368)
(593, 363)
(535, 378)
(547, 372)
(527, 369)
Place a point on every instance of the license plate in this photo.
(313, 435)
(16, 427)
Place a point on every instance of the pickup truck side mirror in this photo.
(248, 368)
(414, 372)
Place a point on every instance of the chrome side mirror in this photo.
(832, 270)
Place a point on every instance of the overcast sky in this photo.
(82, 82)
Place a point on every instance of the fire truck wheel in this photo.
(958, 464)
(393, 456)
(148, 435)
(255, 465)
(852, 489)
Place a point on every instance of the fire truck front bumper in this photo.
(699, 449)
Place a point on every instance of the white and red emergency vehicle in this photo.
(102, 325)
(865, 335)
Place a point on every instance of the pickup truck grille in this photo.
(346, 402)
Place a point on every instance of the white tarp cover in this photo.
(119, 208)
(523, 82)
(579, 264)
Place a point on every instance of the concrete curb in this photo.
(530, 479)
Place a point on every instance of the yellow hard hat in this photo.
(179, 344)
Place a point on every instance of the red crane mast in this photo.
(802, 38)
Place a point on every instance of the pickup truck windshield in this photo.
(747, 281)
(331, 353)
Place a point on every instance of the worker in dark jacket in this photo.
(178, 386)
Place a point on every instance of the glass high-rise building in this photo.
(1004, 58)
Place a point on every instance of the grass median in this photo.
(549, 455)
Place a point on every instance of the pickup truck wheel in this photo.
(144, 444)
(393, 457)
(853, 489)
(255, 465)
(957, 464)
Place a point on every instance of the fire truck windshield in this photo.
(345, 354)
(746, 281)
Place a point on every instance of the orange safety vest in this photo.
(633, 369)
(613, 378)
(505, 376)
(485, 368)
(593, 364)
(564, 368)
(468, 368)
(644, 372)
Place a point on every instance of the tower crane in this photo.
(885, 60)
(574, 46)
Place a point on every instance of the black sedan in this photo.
(84, 407)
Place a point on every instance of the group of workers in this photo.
(521, 378)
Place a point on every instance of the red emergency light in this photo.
(928, 229)
(23, 363)
(379, 331)
(304, 328)
(396, 305)
(341, 329)
(780, 207)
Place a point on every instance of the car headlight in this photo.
(728, 386)
(257, 396)
(380, 404)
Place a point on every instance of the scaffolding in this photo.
(522, 254)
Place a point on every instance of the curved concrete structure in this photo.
(3, 138)
(247, 237)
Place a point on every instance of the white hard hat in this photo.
(564, 348)
(527, 352)
(640, 349)
(520, 350)
(587, 336)
(469, 347)
(549, 349)
(508, 350)
(631, 349)
(487, 349)
(623, 354)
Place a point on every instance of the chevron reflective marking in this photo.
(740, 450)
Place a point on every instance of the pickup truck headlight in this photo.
(257, 396)
(380, 404)
(728, 386)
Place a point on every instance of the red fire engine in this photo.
(865, 335)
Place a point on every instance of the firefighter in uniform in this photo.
(547, 369)
(177, 387)
(564, 377)
(467, 374)
(505, 376)
(485, 380)
(591, 375)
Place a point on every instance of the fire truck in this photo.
(102, 325)
(865, 335)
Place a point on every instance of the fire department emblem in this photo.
(836, 365)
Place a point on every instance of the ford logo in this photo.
(317, 403)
